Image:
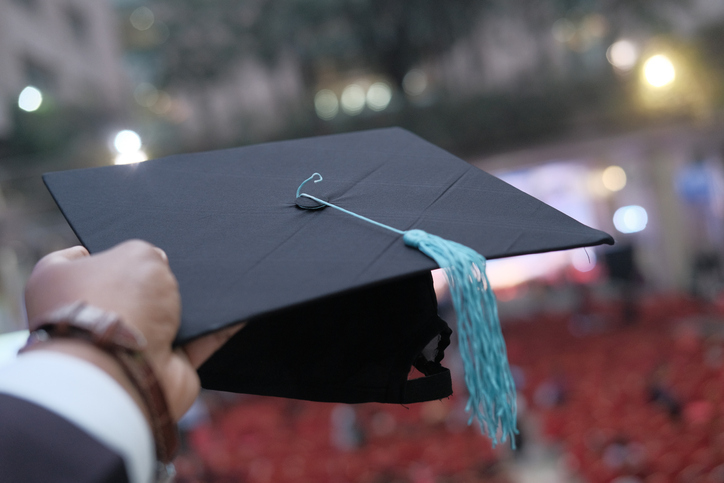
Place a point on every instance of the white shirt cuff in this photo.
(88, 397)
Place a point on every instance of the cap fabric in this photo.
(320, 288)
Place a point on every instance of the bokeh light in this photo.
(415, 82)
(145, 94)
(614, 178)
(127, 142)
(563, 30)
(659, 71)
(142, 18)
(379, 96)
(622, 54)
(30, 99)
(508, 272)
(594, 184)
(595, 25)
(583, 260)
(630, 219)
(163, 104)
(326, 104)
(353, 99)
(137, 156)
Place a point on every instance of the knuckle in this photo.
(43, 263)
(136, 246)
(141, 250)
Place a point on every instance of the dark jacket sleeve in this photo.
(37, 445)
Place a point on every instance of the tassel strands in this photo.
(482, 347)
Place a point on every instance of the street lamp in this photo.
(659, 71)
(128, 145)
(30, 99)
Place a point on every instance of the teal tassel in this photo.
(482, 347)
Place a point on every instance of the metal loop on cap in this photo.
(303, 201)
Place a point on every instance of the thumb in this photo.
(199, 350)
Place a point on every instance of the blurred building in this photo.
(67, 49)
(253, 102)
(659, 190)
(521, 50)
(218, 101)
(57, 58)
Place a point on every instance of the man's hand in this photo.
(134, 280)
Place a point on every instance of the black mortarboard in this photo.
(339, 309)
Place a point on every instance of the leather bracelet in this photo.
(106, 331)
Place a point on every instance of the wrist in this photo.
(99, 358)
(114, 347)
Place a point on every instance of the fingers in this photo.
(162, 253)
(199, 350)
(78, 252)
(66, 255)
(181, 384)
(140, 248)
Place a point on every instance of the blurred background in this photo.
(610, 111)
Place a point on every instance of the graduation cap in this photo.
(318, 244)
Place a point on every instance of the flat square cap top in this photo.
(240, 247)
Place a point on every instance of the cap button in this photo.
(308, 204)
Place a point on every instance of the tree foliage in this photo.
(206, 37)
(389, 36)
